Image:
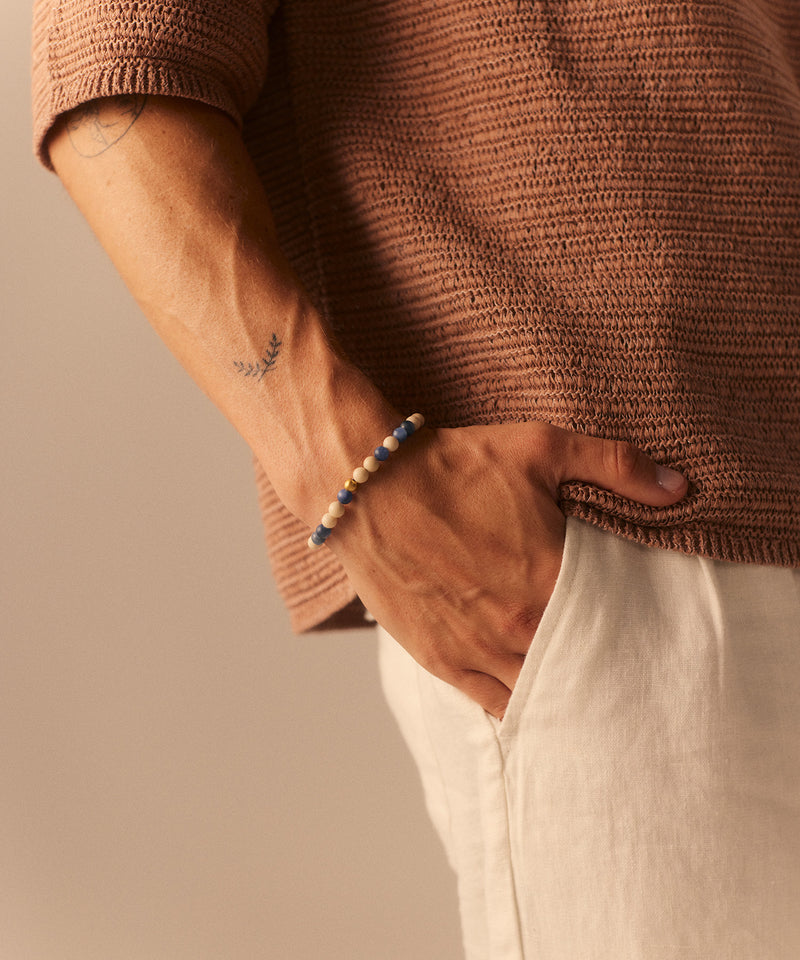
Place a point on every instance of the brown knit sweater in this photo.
(584, 213)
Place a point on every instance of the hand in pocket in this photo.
(459, 549)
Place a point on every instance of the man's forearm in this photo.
(171, 193)
(461, 545)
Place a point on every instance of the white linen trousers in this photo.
(641, 798)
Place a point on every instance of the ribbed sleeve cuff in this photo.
(207, 50)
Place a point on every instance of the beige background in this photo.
(180, 778)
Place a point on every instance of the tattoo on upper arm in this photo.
(257, 370)
(99, 124)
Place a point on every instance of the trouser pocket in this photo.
(540, 644)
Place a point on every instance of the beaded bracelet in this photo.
(360, 476)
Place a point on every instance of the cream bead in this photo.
(360, 475)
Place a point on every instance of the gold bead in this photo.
(351, 485)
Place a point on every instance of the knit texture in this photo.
(84, 49)
(587, 214)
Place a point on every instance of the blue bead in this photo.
(400, 434)
(344, 496)
(316, 538)
(323, 532)
(408, 426)
(381, 453)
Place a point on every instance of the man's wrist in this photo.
(331, 419)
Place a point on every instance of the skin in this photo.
(460, 545)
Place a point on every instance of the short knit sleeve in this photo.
(212, 51)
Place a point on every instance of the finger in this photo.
(505, 668)
(486, 691)
(501, 662)
(621, 468)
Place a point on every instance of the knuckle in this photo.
(622, 459)
(552, 447)
(521, 621)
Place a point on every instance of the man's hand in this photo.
(456, 547)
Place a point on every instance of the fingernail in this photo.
(670, 480)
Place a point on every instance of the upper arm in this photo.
(211, 51)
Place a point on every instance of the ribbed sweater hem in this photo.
(693, 539)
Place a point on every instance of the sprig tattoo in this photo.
(99, 124)
(257, 370)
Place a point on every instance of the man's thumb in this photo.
(621, 468)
